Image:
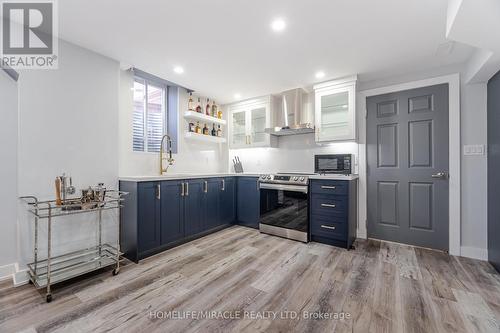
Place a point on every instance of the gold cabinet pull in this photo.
(328, 187)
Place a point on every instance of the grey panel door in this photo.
(407, 157)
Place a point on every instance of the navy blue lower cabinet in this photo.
(193, 206)
(149, 215)
(333, 211)
(248, 201)
(140, 230)
(211, 189)
(159, 215)
(227, 205)
(172, 212)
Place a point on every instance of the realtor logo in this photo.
(29, 39)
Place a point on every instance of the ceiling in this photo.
(228, 47)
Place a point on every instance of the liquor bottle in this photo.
(190, 103)
(198, 106)
(219, 113)
(205, 130)
(219, 131)
(197, 129)
(192, 127)
(214, 132)
(214, 109)
(207, 108)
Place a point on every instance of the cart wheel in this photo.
(116, 271)
(48, 298)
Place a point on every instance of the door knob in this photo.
(440, 175)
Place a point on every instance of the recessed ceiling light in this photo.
(178, 69)
(237, 96)
(320, 75)
(278, 25)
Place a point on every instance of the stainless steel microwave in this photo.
(333, 163)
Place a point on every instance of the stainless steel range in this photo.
(284, 205)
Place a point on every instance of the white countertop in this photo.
(176, 176)
(334, 177)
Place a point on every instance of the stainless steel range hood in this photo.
(293, 114)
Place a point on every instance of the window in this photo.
(150, 115)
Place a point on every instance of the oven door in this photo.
(284, 210)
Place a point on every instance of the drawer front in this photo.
(334, 228)
(329, 187)
(328, 205)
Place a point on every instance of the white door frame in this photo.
(453, 81)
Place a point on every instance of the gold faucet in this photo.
(170, 160)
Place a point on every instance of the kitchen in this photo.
(317, 202)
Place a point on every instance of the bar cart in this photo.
(44, 273)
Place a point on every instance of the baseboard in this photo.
(12, 271)
(361, 234)
(6, 271)
(474, 252)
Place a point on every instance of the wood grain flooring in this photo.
(238, 280)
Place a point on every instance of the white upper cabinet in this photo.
(247, 123)
(335, 110)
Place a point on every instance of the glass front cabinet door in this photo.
(248, 121)
(335, 110)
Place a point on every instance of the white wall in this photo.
(192, 156)
(68, 123)
(295, 154)
(474, 175)
(8, 174)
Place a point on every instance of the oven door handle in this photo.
(291, 188)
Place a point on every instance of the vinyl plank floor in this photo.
(238, 280)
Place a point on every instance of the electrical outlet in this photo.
(474, 150)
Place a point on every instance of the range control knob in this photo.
(262, 176)
(302, 179)
(268, 177)
(295, 178)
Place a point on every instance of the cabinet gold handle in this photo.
(328, 187)
(182, 189)
(187, 189)
(158, 192)
(328, 205)
(223, 185)
(327, 227)
(206, 187)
